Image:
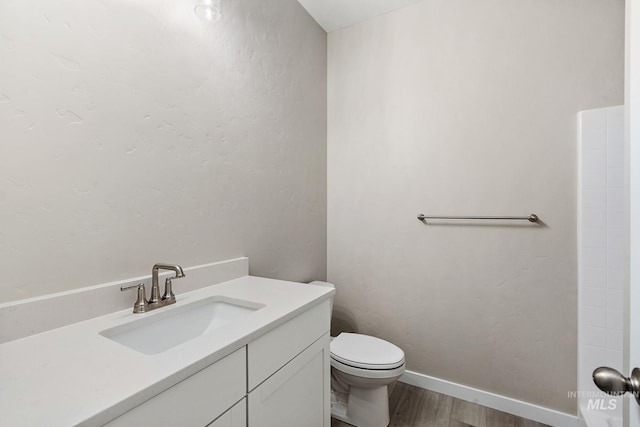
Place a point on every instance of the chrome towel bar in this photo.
(530, 218)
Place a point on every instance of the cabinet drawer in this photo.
(195, 401)
(273, 350)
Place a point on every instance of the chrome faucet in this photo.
(143, 305)
(168, 291)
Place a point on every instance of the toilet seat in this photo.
(371, 374)
(365, 352)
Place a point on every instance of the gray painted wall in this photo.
(134, 132)
(466, 107)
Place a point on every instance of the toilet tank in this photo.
(328, 285)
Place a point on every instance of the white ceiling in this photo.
(336, 14)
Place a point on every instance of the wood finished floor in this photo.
(414, 407)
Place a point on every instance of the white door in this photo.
(632, 123)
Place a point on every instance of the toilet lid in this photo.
(364, 351)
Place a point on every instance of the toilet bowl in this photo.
(362, 367)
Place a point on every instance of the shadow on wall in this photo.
(342, 321)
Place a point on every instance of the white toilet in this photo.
(361, 369)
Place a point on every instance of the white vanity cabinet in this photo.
(280, 379)
(296, 395)
(259, 359)
(288, 373)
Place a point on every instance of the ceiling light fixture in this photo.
(209, 10)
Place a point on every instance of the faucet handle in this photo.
(140, 306)
(168, 290)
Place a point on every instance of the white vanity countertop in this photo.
(74, 376)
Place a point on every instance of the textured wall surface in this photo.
(133, 132)
(466, 107)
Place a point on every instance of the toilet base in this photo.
(366, 407)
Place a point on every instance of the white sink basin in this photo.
(161, 330)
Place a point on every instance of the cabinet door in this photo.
(297, 394)
(234, 417)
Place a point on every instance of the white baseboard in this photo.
(495, 401)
